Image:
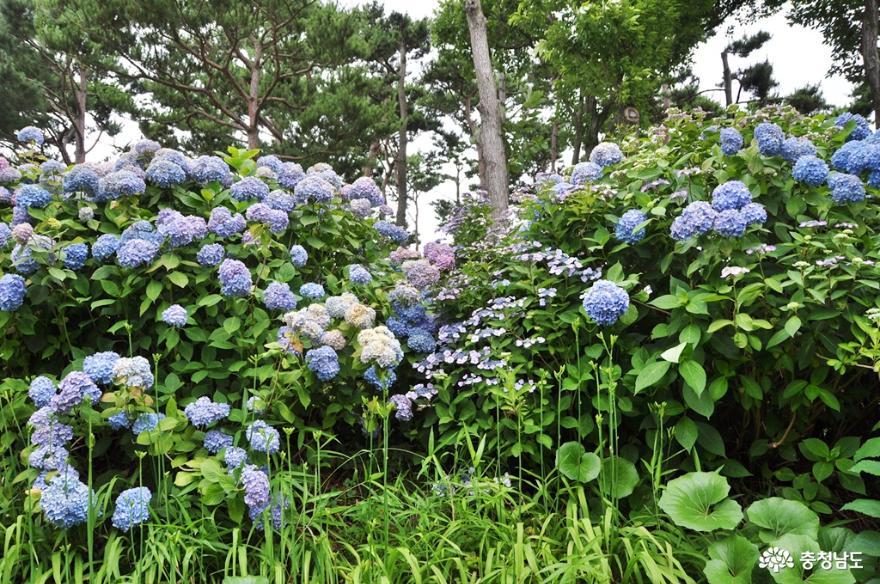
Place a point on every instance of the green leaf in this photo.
(666, 302)
(245, 580)
(232, 324)
(718, 325)
(694, 374)
(870, 449)
(731, 561)
(57, 273)
(686, 433)
(777, 517)
(672, 354)
(154, 288)
(179, 279)
(651, 374)
(792, 325)
(576, 464)
(698, 501)
(210, 300)
(869, 507)
(619, 477)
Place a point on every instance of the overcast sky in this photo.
(798, 55)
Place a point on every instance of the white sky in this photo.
(798, 55)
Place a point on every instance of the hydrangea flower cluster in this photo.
(626, 227)
(606, 154)
(731, 141)
(203, 412)
(262, 437)
(770, 138)
(175, 315)
(235, 278)
(278, 296)
(605, 302)
(323, 362)
(12, 292)
(585, 173)
(132, 508)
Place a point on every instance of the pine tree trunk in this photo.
(401, 134)
(79, 124)
(728, 80)
(253, 128)
(869, 54)
(372, 155)
(490, 111)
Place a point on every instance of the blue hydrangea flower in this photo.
(119, 421)
(731, 141)
(290, 175)
(175, 315)
(323, 362)
(81, 179)
(626, 225)
(769, 137)
(5, 235)
(172, 155)
(402, 407)
(846, 157)
(211, 254)
(380, 378)
(30, 134)
(164, 173)
(20, 215)
(203, 412)
(605, 302)
(105, 246)
(298, 256)
(733, 194)
(754, 214)
(262, 437)
(606, 154)
(132, 508)
(696, 219)
(249, 188)
(278, 296)
(32, 196)
(146, 422)
(275, 219)
(73, 389)
(867, 157)
(235, 278)
(358, 275)
(122, 183)
(256, 488)
(224, 224)
(862, 128)
(270, 161)
(48, 430)
(846, 188)
(75, 255)
(133, 372)
(48, 457)
(281, 201)
(313, 188)
(874, 179)
(99, 367)
(393, 232)
(585, 173)
(65, 501)
(730, 223)
(12, 291)
(234, 457)
(366, 188)
(312, 291)
(180, 229)
(205, 169)
(794, 148)
(421, 341)
(215, 441)
(810, 170)
(41, 391)
(136, 253)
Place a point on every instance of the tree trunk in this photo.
(253, 128)
(457, 184)
(401, 133)
(596, 119)
(372, 155)
(869, 54)
(728, 80)
(490, 111)
(475, 136)
(578, 130)
(79, 124)
(554, 145)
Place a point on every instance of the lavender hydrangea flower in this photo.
(366, 188)
(75, 255)
(290, 175)
(323, 362)
(298, 256)
(235, 278)
(420, 273)
(224, 224)
(175, 315)
(402, 407)
(769, 137)
(312, 291)
(105, 246)
(99, 367)
(65, 501)
(164, 173)
(313, 188)
(122, 183)
(215, 441)
(248, 189)
(281, 201)
(180, 229)
(211, 254)
(605, 302)
(32, 197)
(606, 154)
(360, 208)
(262, 437)
(731, 141)
(234, 457)
(9, 175)
(440, 254)
(733, 194)
(626, 227)
(393, 232)
(30, 135)
(203, 412)
(276, 220)
(810, 170)
(585, 173)
(41, 391)
(73, 389)
(205, 169)
(81, 179)
(256, 488)
(136, 253)
(12, 292)
(270, 161)
(132, 508)
(730, 223)
(278, 296)
(358, 275)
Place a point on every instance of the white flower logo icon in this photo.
(775, 559)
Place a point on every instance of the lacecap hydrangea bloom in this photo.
(606, 154)
(99, 367)
(203, 412)
(235, 278)
(323, 362)
(810, 170)
(626, 226)
(298, 256)
(262, 437)
(769, 137)
(210, 254)
(731, 141)
(733, 194)
(605, 302)
(30, 134)
(12, 291)
(175, 315)
(585, 173)
(132, 508)
(133, 372)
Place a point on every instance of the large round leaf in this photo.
(619, 477)
(777, 517)
(732, 561)
(698, 501)
(575, 464)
